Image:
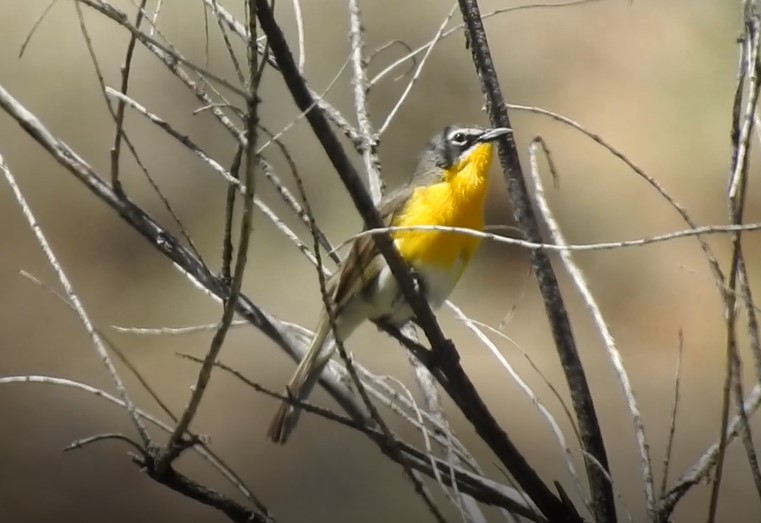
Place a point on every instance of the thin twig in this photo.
(483, 489)
(227, 242)
(742, 128)
(639, 242)
(426, 382)
(155, 46)
(228, 44)
(526, 389)
(155, 17)
(417, 72)
(601, 325)
(172, 447)
(119, 119)
(553, 389)
(300, 31)
(286, 195)
(411, 54)
(82, 442)
(123, 135)
(746, 436)
(359, 80)
(331, 112)
(713, 263)
(72, 297)
(198, 440)
(302, 114)
(216, 167)
(34, 27)
(705, 464)
(674, 409)
(234, 510)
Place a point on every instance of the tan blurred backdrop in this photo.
(654, 78)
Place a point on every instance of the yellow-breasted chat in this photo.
(449, 189)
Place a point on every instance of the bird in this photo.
(448, 188)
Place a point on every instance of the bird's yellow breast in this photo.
(456, 201)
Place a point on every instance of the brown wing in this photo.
(364, 263)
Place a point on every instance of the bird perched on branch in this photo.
(448, 189)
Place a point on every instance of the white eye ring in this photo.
(459, 138)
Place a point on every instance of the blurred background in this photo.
(656, 79)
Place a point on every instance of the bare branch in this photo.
(118, 118)
(602, 327)
(481, 488)
(427, 384)
(81, 443)
(742, 128)
(639, 242)
(589, 428)
(359, 79)
(524, 387)
(674, 409)
(34, 27)
(417, 72)
(126, 68)
(412, 53)
(235, 511)
(704, 465)
(713, 263)
(331, 112)
(71, 296)
(173, 448)
(183, 260)
(300, 30)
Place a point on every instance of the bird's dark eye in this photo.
(459, 138)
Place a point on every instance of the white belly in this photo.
(389, 303)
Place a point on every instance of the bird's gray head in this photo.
(455, 144)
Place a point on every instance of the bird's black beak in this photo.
(492, 134)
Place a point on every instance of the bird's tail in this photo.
(302, 382)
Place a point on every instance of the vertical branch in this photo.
(368, 147)
(174, 447)
(674, 410)
(607, 337)
(602, 491)
(120, 106)
(227, 242)
(300, 29)
(742, 127)
(369, 140)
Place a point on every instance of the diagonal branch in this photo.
(602, 491)
(72, 297)
(189, 264)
